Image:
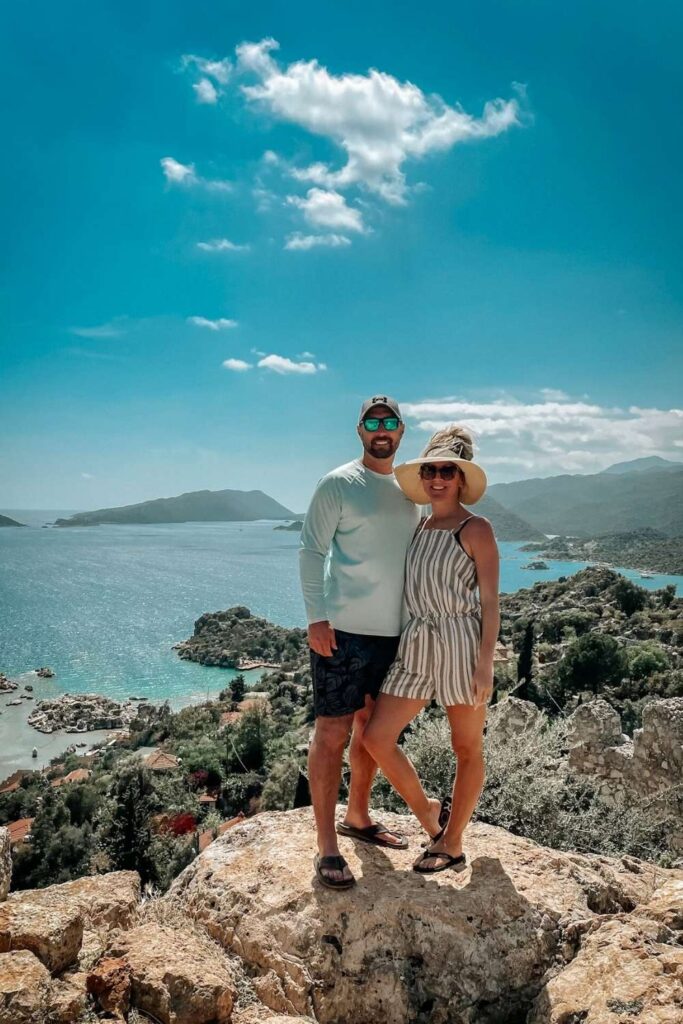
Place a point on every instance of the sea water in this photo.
(103, 606)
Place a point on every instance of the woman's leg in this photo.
(467, 735)
(389, 718)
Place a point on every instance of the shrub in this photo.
(590, 663)
(629, 597)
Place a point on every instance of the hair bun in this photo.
(458, 439)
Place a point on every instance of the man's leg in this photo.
(324, 775)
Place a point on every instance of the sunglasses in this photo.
(373, 423)
(429, 472)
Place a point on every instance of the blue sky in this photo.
(488, 226)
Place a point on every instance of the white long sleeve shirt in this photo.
(354, 542)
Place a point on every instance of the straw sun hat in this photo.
(454, 444)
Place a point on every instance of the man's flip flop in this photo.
(371, 834)
(323, 864)
(459, 863)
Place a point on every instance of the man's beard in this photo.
(381, 451)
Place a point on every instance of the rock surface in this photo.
(38, 920)
(5, 863)
(176, 983)
(478, 946)
(24, 989)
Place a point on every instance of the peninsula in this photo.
(645, 549)
(193, 507)
(6, 521)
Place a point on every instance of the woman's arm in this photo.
(484, 551)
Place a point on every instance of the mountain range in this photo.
(626, 496)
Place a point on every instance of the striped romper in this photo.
(439, 646)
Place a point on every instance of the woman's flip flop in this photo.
(459, 863)
(444, 815)
(371, 834)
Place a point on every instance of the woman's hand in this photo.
(482, 683)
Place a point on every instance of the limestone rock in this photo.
(51, 921)
(177, 979)
(596, 723)
(37, 921)
(24, 989)
(5, 863)
(511, 717)
(110, 983)
(475, 946)
(107, 901)
(623, 972)
(67, 999)
(666, 905)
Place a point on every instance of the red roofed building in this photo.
(19, 830)
(206, 838)
(160, 761)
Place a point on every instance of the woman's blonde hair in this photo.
(454, 437)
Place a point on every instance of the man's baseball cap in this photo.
(390, 403)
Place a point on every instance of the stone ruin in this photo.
(646, 765)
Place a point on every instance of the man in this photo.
(353, 549)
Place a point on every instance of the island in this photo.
(193, 507)
(295, 527)
(646, 549)
(6, 521)
(237, 639)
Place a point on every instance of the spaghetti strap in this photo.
(456, 533)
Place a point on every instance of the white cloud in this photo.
(87, 476)
(555, 434)
(237, 365)
(283, 365)
(177, 173)
(219, 70)
(221, 245)
(185, 174)
(303, 242)
(112, 329)
(222, 324)
(325, 209)
(205, 91)
(379, 122)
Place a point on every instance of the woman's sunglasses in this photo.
(373, 423)
(429, 472)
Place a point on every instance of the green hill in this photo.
(585, 506)
(193, 507)
(506, 524)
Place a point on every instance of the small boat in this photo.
(34, 752)
(647, 575)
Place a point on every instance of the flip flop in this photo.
(459, 863)
(444, 815)
(370, 835)
(322, 864)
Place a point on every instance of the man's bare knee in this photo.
(331, 734)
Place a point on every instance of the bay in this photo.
(103, 606)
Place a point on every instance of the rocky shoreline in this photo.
(237, 639)
(86, 712)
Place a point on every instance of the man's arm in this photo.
(320, 525)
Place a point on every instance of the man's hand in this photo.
(482, 684)
(321, 638)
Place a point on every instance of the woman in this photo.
(446, 649)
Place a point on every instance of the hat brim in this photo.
(408, 477)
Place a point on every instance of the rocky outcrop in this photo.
(5, 863)
(84, 712)
(6, 685)
(228, 639)
(482, 946)
(246, 935)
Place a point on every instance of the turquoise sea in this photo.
(104, 605)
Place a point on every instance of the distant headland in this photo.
(193, 507)
(6, 521)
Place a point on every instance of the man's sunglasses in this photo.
(373, 423)
(429, 472)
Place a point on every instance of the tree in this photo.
(123, 831)
(238, 689)
(526, 656)
(629, 597)
(590, 663)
